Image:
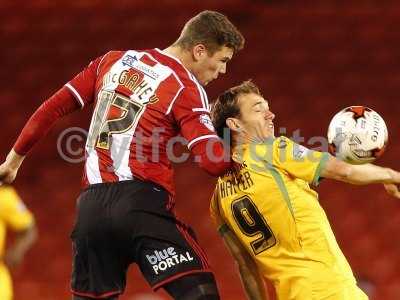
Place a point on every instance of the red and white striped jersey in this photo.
(142, 99)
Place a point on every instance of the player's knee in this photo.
(194, 287)
(75, 297)
(202, 292)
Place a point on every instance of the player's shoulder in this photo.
(180, 71)
(269, 149)
(112, 55)
(115, 52)
(8, 195)
(270, 144)
(106, 58)
(7, 191)
(282, 142)
(195, 97)
(176, 67)
(285, 148)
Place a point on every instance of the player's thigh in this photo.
(99, 268)
(167, 250)
(201, 286)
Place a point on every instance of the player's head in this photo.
(243, 110)
(211, 40)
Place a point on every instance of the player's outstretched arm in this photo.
(248, 270)
(54, 108)
(362, 174)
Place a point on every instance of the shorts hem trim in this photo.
(168, 280)
(101, 296)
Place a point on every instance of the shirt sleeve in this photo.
(83, 85)
(212, 157)
(214, 210)
(215, 213)
(298, 161)
(54, 108)
(193, 116)
(13, 211)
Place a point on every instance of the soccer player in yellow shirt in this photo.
(266, 212)
(16, 217)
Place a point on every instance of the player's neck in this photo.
(244, 139)
(240, 139)
(182, 55)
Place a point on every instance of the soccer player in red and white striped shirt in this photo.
(142, 99)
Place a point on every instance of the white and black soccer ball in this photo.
(357, 135)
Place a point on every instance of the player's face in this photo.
(209, 67)
(256, 118)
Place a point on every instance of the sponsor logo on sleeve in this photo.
(299, 152)
(206, 121)
(129, 60)
(282, 144)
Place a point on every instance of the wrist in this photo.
(14, 160)
(396, 176)
(393, 176)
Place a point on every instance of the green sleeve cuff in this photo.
(320, 168)
(223, 229)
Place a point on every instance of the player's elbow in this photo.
(215, 161)
(31, 235)
(34, 234)
(337, 170)
(215, 169)
(344, 172)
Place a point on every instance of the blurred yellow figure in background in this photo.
(16, 217)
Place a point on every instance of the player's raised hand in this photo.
(7, 175)
(393, 190)
(9, 169)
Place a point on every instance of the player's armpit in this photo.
(251, 278)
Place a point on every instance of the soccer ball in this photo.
(357, 135)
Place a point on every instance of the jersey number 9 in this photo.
(252, 223)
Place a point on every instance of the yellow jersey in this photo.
(15, 216)
(268, 203)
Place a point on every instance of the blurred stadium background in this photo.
(311, 59)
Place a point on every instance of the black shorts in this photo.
(129, 222)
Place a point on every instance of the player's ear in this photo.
(199, 52)
(233, 124)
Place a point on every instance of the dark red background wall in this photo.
(310, 60)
